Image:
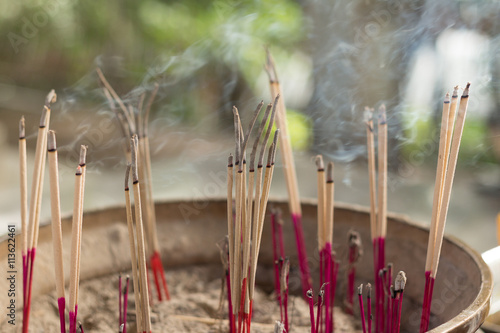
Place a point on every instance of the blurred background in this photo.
(334, 57)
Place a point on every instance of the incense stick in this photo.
(23, 181)
(140, 236)
(75, 244)
(290, 174)
(133, 251)
(56, 226)
(35, 203)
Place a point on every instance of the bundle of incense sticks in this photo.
(30, 230)
(137, 242)
(328, 266)
(251, 197)
(135, 121)
(290, 175)
(452, 125)
(378, 205)
(394, 306)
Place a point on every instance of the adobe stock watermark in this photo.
(31, 25)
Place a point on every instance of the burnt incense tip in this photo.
(309, 293)
(51, 141)
(83, 155)
(22, 128)
(392, 291)
(329, 172)
(466, 90)
(369, 288)
(51, 98)
(382, 115)
(319, 163)
(389, 265)
(78, 171)
(400, 282)
(127, 176)
(275, 146)
(455, 92)
(133, 147)
(230, 161)
(270, 155)
(43, 118)
(121, 328)
(360, 289)
(367, 116)
(447, 98)
(279, 327)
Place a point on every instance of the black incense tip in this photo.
(309, 293)
(22, 129)
(78, 171)
(466, 90)
(51, 141)
(230, 161)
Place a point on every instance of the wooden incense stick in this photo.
(320, 175)
(140, 236)
(23, 181)
(75, 244)
(56, 227)
(133, 251)
(35, 204)
(290, 174)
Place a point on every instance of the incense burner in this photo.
(188, 231)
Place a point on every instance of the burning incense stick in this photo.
(56, 227)
(133, 251)
(290, 175)
(35, 204)
(140, 236)
(75, 250)
(399, 286)
(444, 180)
(23, 181)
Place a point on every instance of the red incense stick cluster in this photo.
(30, 223)
(378, 205)
(137, 242)
(452, 125)
(394, 304)
(251, 197)
(281, 265)
(290, 175)
(134, 120)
